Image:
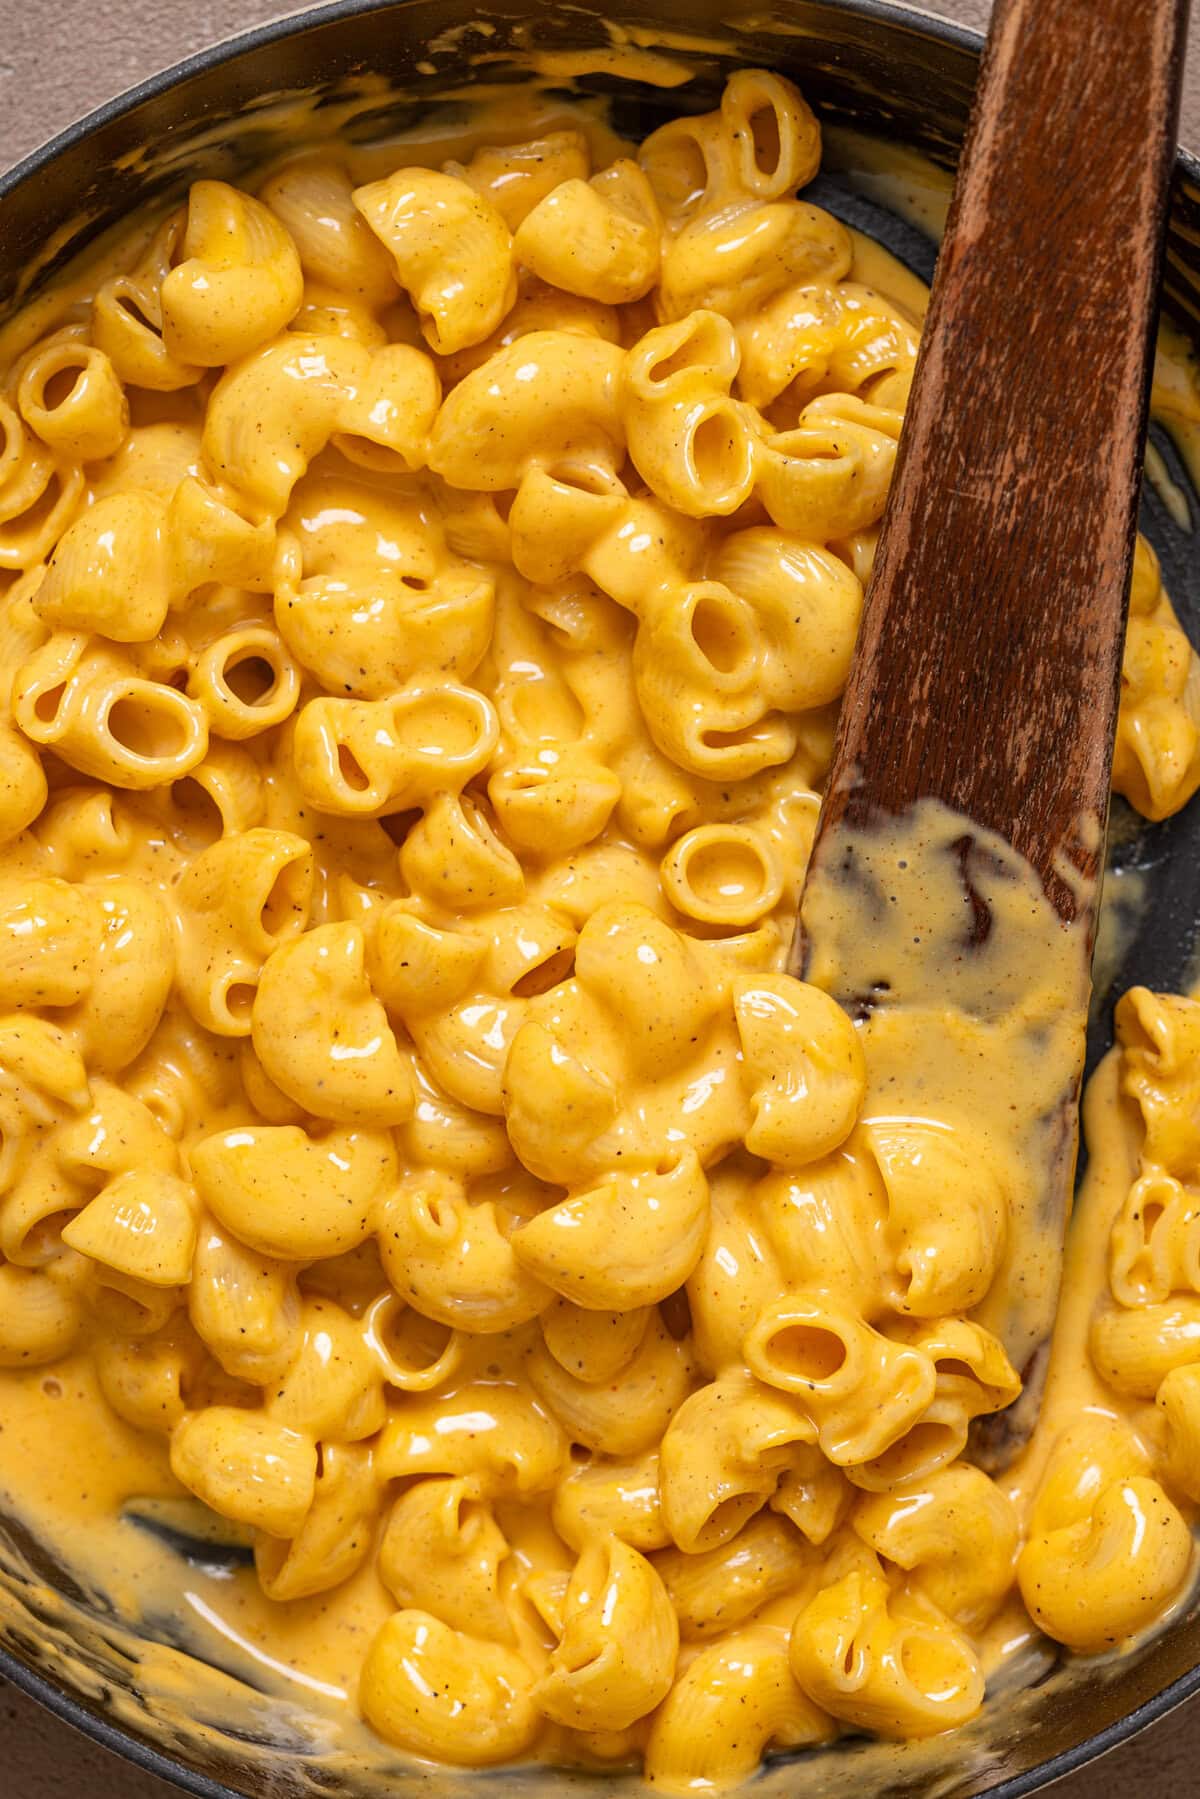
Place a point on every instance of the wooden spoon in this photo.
(988, 664)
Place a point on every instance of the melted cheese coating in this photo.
(482, 1307)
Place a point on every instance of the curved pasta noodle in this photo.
(335, 1536)
(497, 1433)
(451, 250)
(237, 283)
(238, 902)
(735, 1701)
(718, 1589)
(90, 420)
(442, 1552)
(547, 400)
(248, 1469)
(599, 239)
(601, 1677)
(454, 1258)
(313, 197)
(445, 1694)
(862, 1390)
(290, 1195)
(885, 1661)
(92, 706)
(364, 758)
(618, 1419)
(273, 412)
(722, 1457)
(1107, 1549)
(351, 1069)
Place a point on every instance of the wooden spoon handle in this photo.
(988, 665)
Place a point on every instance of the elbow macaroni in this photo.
(424, 602)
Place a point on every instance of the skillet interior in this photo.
(879, 69)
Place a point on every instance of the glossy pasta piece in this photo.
(335, 1536)
(88, 421)
(1135, 1349)
(735, 1701)
(722, 874)
(735, 260)
(618, 1498)
(947, 1213)
(149, 1381)
(697, 661)
(813, 1494)
(956, 1532)
(243, 1306)
(822, 337)
(273, 412)
(39, 495)
(593, 1347)
(442, 1553)
(313, 198)
(131, 976)
(763, 141)
(806, 1064)
(1160, 1071)
(49, 932)
(246, 1468)
(127, 327)
(1178, 1401)
(454, 1258)
(974, 1377)
(238, 282)
(825, 1225)
(451, 250)
(1092, 1584)
(550, 399)
(829, 475)
(515, 177)
(141, 1224)
(722, 1457)
(246, 681)
(88, 702)
(718, 1589)
(237, 903)
(366, 758)
(495, 1431)
(692, 443)
(622, 1417)
(110, 571)
(554, 802)
(324, 1038)
(1154, 1247)
(808, 605)
(598, 239)
(615, 1660)
(40, 1316)
(291, 1195)
(886, 1662)
(1156, 757)
(369, 641)
(1106, 1550)
(447, 1695)
(627, 1243)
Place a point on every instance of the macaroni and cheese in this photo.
(424, 604)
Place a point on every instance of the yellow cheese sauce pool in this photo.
(461, 1302)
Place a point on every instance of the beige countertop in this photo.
(57, 61)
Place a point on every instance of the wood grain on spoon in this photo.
(988, 665)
